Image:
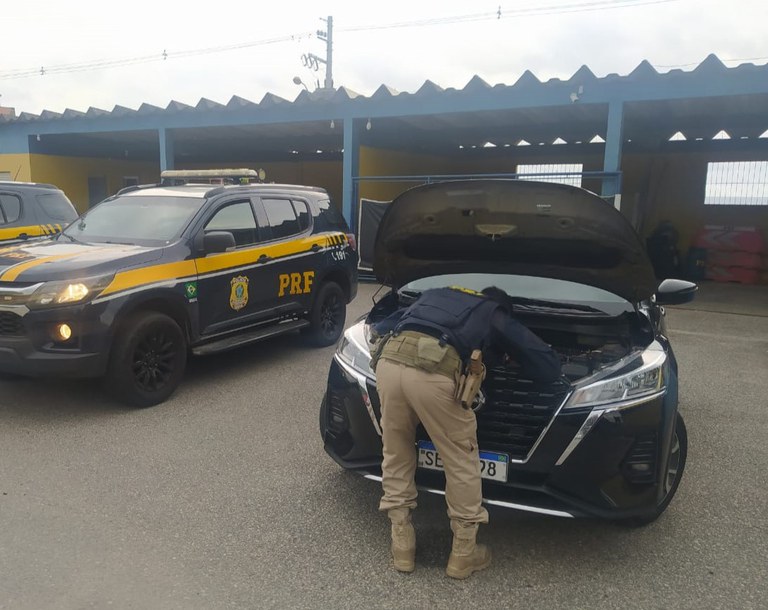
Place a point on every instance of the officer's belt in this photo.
(404, 348)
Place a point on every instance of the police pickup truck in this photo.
(30, 210)
(157, 271)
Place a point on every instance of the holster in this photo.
(470, 381)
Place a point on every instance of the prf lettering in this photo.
(296, 283)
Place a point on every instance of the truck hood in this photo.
(511, 226)
(54, 260)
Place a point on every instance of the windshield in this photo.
(138, 219)
(528, 287)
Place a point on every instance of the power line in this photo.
(142, 59)
(573, 7)
(550, 9)
(696, 63)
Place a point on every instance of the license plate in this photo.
(493, 466)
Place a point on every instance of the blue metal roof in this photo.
(711, 78)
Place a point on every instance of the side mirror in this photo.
(675, 292)
(218, 241)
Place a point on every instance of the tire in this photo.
(148, 360)
(327, 316)
(673, 475)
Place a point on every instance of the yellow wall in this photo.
(17, 165)
(325, 174)
(71, 174)
(384, 162)
(656, 187)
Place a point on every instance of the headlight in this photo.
(353, 349)
(645, 380)
(52, 294)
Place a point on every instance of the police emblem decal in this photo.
(238, 298)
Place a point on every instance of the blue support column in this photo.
(612, 157)
(351, 169)
(166, 149)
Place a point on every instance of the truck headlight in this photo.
(645, 378)
(353, 349)
(52, 294)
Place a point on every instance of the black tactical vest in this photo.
(460, 318)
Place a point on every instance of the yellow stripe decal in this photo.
(15, 271)
(149, 275)
(14, 232)
(219, 262)
(125, 280)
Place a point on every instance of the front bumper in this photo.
(27, 346)
(615, 471)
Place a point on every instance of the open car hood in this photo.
(511, 226)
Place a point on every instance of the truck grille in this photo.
(10, 324)
(516, 411)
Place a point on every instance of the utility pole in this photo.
(310, 60)
(327, 36)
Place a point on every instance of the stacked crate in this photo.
(732, 254)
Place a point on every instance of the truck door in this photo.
(17, 224)
(230, 293)
(294, 253)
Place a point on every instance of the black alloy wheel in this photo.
(328, 315)
(153, 360)
(148, 360)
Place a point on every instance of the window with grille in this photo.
(553, 172)
(737, 183)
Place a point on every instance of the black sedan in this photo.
(606, 439)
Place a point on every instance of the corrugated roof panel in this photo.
(582, 75)
(206, 104)
(344, 93)
(384, 92)
(429, 88)
(643, 72)
(174, 106)
(239, 102)
(122, 111)
(270, 99)
(148, 109)
(476, 84)
(711, 67)
(527, 79)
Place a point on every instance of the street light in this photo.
(297, 81)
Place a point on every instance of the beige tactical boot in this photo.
(403, 539)
(466, 556)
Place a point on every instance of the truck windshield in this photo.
(136, 219)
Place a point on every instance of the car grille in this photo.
(10, 324)
(516, 411)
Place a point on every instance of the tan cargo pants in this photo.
(410, 395)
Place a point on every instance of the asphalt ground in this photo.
(224, 498)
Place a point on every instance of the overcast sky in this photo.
(615, 37)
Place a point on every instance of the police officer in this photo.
(418, 360)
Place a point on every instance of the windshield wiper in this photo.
(69, 237)
(119, 243)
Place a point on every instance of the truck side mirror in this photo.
(218, 241)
